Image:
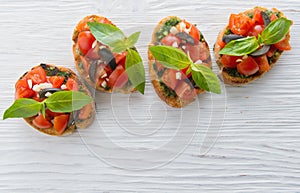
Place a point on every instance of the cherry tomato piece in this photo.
(60, 123)
(23, 90)
(85, 41)
(41, 122)
(185, 91)
(85, 112)
(169, 78)
(257, 17)
(37, 75)
(118, 78)
(230, 61)
(56, 81)
(170, 40)
(240, 24)
(263, 63)
(257, 29)
(283, 44)
(248, 66)
(72, 84)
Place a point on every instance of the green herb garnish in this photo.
(60, 102)
(174, 58)
(114, 38)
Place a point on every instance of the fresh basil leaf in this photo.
(135, 70)
(170, 57)
(23, 108)
(43, 110)
(118, 46)
(106, 33)
(276, 31)
(132, 39)
(205, 78)
(241, 46)
(67, 101)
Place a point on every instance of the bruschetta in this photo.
(40, 83)
(260, 53)
(177, 87)
(96, 62)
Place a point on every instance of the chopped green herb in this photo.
(250, 15)
(233, 72)
(228, 31)
(165, 29)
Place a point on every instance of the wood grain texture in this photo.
(258, 147)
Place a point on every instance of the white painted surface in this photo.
(257, 150)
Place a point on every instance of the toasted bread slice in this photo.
(236, 80)
(74, 122)
(81, 60)
(173, 101)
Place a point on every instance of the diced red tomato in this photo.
(273, 17)
(263, 63)
(194, 32)
(169, 78)
(37, 75)
(255, 30)
(240, 24)
(248, 66)
(60, 123)
(120, 58)
(72, 84)
(85, 41)
(230, 61)
(50, 114)
(185, 70)
(56, 81)
(118, 78)
(170, 40)
(185, 91)
(93, 53)
(283, 44)
(85, 112)
(197, 52)
(271, 51)
(23, 90)
(257, 17)
(41, 122)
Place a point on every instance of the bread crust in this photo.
(78, 124)
(238, 81)
(76, 52)
(171, 101)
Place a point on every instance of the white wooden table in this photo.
(137, 144)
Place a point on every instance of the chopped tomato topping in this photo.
(118, 78)
(85, 41)
(248, 66)
(197, 52)
(37, 75)
(41, 122)
(60, 123)
(72, 84)
(257, 17)
(240, 24)
(170, 40)
(159, 66)
(85, 112)
(283, 44)
(85, 64)
(193, 30)
(23, 90)
(169, 78)
(120, 58)
(263, 63)
(230, 61)
(56, 81)
(185, 91)
(50, 114)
